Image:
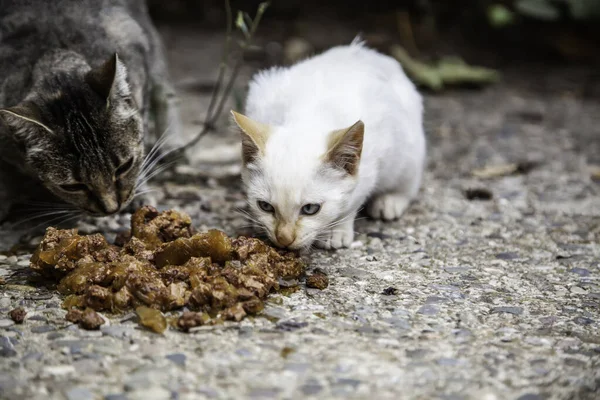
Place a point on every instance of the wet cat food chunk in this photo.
(163, 266)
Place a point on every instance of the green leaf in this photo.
(449, 71)
(239, 22)
(455, 71)
(540, 9)
(262, 7)
(499, 16)
(421, 73)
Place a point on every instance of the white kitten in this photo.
(307, 170)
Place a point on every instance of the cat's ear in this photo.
(109, 79)
(254, 136)
(345, 147)
(22, 118)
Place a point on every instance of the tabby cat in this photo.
(82, 84)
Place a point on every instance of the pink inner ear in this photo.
(346, 152)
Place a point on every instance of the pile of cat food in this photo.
(163, 265)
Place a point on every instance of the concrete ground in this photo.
(463, 298)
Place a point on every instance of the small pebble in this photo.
(12, 259)
(80, 393)
(152, 393)
(5, 323)
(390, 291)
(578, 290)
(43, 329)
(59, 370)
(177, 358)
(5, 302)
(507, 310)
(428, 309)
(117, 396)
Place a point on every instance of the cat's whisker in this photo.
(154, 156)
(154, 162)
(57, 221)
(40, 215)
(158, 158)
(162, 140)
(140, 193)
(152, 174)
(248, 216)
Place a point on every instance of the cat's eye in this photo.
(310, 209)
(124, 168)
(74, 187)
(266, 207)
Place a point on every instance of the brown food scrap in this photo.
(164, 266)
(88, 319)
(190, 319)
(214, 244)
(18, 315)
(152, 319)
(62, 251)
(154, 228)
(234, 313)
(122, 238)
(318, 280)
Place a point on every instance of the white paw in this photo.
(336, 239)
(387, 206)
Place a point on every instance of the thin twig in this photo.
(217, 98)
(224, 61)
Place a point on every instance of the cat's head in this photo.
(296, 191)
(81, 134)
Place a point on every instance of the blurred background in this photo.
(549, 30)
(492, 71)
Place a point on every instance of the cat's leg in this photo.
(388, 206)
(390, 203)
(338, 236)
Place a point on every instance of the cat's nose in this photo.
(109, 204)
(285, 236)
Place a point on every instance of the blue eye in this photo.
(266, 207)
(311, 209)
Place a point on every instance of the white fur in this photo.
(303, 104)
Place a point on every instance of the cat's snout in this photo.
(285, 235)
(109, 204)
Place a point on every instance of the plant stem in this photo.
(224, 61)
(220, 99)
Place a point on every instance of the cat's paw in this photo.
(387, 206)
(336, 239)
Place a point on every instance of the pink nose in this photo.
(285, 236)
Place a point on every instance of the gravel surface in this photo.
(488, 296)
